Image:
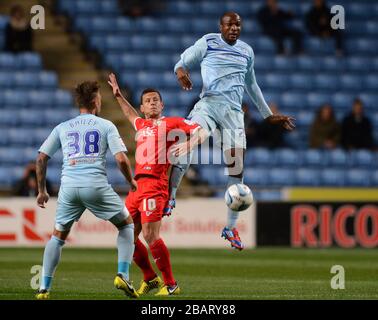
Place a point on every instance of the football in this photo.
(238, 197)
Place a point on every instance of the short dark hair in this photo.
(148, 90)
(85, 93)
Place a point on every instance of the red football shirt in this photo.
(154, 138)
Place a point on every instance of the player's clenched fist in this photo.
(42, 198)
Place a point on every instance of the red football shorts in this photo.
(147, 203)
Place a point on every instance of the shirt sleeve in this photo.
(138, 123)
(193, 55)
(254, 90)
(115, 141)
(189, 127)
(51, 144)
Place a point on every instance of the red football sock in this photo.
(142, 261)
(161, 255)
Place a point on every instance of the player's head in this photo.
(151, 103)
(230, 27)
(88, 97)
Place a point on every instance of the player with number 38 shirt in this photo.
(155, 136)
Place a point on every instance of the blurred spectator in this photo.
(139, 8)
(356, 129)
(27, 186)
(18, 33)
(271, 135)
(318, 22)
(251, 127)
(325, 131)
(275, 23)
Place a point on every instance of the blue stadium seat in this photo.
(40, 135)
(6, 178)
(263, 63)
(109, 7)
(260, 157)
(40, 99)
(166, 42)
(29, 61)
(317, 46)
(284, 63)
(288, 158)
(9, 118)
(358, 177)
(350, 82)
(87, 7)
(276, 81)
(132, 61)
(101, 24)
(159, 61)
(147, 24)
(139, 42)
(362, 46)
(8, 62)
(315, 100)
(182, 8)
(371, 82)
(63, 98)
(6, 79)
(304, 118)
(203, 25)
(374, 178)
(210, 174)
(84, 24)
(331, 64)
(282, 177)
(149, 79)
(22, 137)
(29, 154)
(372, 27)
(11, 155)
(342, 100)
(293, 100)
(123, 24)
(15, 98)
(263, 45)
(333, 177)
(308, 177)
(4, 138)
(325, 82)
(358, 64)
(308, 63)
(174, 25)
(213, 8)
(256, 177)
(375, 119)
(363, 159)
(31, 119)
(53, 175)
(48, 79)
(301, 81)
(338, 158)
(370, 100)
(25, 80)
(117, 43)
(315, 158)
(358, 10)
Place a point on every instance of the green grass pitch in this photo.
(263, 273)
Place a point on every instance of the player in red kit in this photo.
(155, 135)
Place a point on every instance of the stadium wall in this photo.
(195, 223)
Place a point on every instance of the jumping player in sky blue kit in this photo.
(84, 141)
(227, 70)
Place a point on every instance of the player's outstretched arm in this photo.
(124, 166)
(189, 58)
(183, 148)
(128, 110)
(41, 167)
